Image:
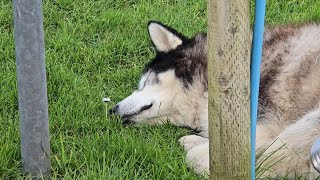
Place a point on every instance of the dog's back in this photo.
(289, 110)
(290, 73)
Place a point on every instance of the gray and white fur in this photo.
(174, 88)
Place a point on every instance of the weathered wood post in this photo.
(32, 86)
(229, 88)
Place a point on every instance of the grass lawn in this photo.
(96, 49)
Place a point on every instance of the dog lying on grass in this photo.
(174, 87)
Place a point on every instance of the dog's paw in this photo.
(198, 158)
(191, 141)
(197, 148)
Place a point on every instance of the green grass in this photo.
(96, 49)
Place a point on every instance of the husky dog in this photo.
(174, 88)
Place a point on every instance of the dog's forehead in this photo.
(147, 78)
(142, 81)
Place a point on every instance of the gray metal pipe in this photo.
(32, 86)
(315, 154)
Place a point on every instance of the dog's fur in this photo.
(174, 88)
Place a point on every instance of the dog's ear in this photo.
(163, 37)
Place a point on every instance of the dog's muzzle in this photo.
(125, 119)
(114, 110)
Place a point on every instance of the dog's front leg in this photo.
(197, 148)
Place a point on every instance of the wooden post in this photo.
(32, 87)
(229, 85)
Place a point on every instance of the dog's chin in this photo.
(127, 122)
(133, 121)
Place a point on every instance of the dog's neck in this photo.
(193, 113)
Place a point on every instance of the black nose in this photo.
(114, 110)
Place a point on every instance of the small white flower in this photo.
(106, 99)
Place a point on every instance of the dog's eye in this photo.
(146, 107)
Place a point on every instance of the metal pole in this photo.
(315, 154)
(229, 88)
(32, 87)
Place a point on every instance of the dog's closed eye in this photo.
(143, 108)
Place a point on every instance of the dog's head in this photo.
(167, 76)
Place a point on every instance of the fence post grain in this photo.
(229, 88)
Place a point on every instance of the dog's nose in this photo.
(114, 110)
